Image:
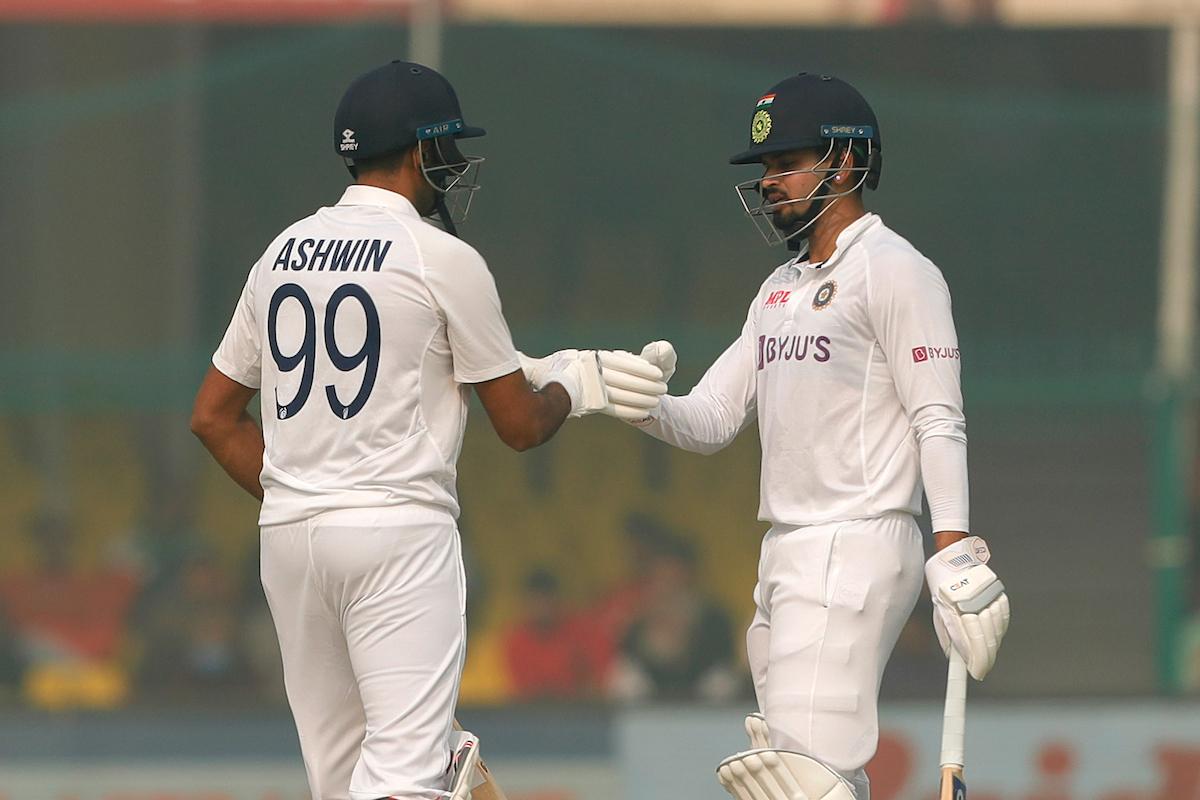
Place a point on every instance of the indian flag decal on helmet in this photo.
(765, 101)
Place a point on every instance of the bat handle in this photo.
(954, 720)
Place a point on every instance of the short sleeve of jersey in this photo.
(239, 356)
(465, 291)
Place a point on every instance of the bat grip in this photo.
(954, 720)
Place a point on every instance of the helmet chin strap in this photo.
(443, 213)
(800, 241)
(805, 225)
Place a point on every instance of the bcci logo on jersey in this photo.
(824, 295)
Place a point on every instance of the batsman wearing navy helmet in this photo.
(363, 328)
(849, 361)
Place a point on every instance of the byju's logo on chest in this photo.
(792, 348)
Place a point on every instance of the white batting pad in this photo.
(462, 765)
(756, 729)
(766, 774)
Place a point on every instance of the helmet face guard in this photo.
(823, 197)
(454, 176)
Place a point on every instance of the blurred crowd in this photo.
(159, 616)
(656, 637)
(162, 619)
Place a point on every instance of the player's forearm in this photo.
(716, 410)
(523, 416)
(551, 406)
(699, 422)
(943, 539)
(944, 474)
(532, 418)
(237, 445)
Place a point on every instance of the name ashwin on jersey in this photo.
(333, 255)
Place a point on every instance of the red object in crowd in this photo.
(567, 659)
(81, 615)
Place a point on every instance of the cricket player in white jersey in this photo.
(364, 327)
(850, 363)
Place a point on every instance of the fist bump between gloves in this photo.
(614, 382)
(636, 384)
(970, 608)
(577, 371)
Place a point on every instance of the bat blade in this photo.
(489, 789)
(953, 785)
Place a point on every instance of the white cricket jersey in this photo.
(852, 369)
(361, 325)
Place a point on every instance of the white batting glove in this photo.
(662, 355)
(757, 730)
(634, 385)
(970, 608)
(577, 371)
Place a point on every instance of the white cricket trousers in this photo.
(831, 600)
(370, 623)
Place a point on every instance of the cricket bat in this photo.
(954, 727)
(489, 789)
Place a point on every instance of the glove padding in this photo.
(633, 385)
(970, 608)
(577, 371)
(757, 731)
(662, 355)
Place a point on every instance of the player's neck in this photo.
(405, 182)
(391, 182)
(823, 240)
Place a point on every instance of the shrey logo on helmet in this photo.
(348, 143)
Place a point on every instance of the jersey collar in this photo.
(359, 195)
(845, 240)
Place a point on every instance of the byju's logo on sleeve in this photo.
(348, 143)
(921, 354)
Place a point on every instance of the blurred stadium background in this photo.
(1042, 152)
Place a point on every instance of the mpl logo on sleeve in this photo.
(777, 299)
(926, 353)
